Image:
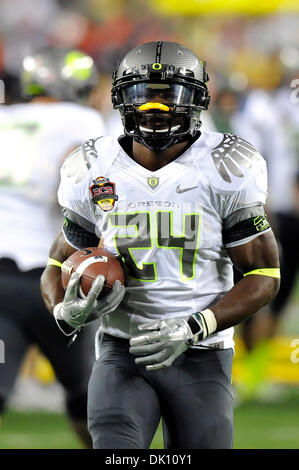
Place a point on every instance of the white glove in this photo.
(165, 340)
(77, 311)
(162, 344)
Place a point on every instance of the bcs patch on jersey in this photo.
(103, 193)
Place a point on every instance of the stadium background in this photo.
(248, 45)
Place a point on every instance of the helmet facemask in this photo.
(160, 114)
(160, 89)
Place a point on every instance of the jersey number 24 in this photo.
(148, 231)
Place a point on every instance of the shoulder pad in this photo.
(233, 154)
(77, 164)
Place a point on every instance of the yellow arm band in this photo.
(271, 272)
(54, 262)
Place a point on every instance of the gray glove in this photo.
(162, 343)
(77, 311)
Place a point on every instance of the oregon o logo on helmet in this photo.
(157, 66)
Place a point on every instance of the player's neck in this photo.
(155, 160)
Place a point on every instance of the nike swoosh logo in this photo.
(86, 253)
(183, 190)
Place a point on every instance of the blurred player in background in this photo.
(101, 100)
(189, 205)
(35, 138)
(269, 120)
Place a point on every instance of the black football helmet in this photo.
(65, 74)
(160, 90)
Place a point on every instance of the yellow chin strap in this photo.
(149, 106)
(271, 272)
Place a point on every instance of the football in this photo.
(91, 262)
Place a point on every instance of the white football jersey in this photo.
(34, 138)
(166, 224)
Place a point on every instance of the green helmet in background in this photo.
(68, 75)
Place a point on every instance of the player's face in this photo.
(156, 103)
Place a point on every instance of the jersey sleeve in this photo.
(80, 234)
(79, 226)
(252, 193)
(242, 190)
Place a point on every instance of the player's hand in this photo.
(110, 302)
(77, 311)
(74, 310)
(162, 342)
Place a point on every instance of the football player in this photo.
(188, 205)
(270, 121)
(35, 137)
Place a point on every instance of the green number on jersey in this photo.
(186, 243)
(139, 236)
(140, 222)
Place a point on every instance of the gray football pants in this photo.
(193, 396)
